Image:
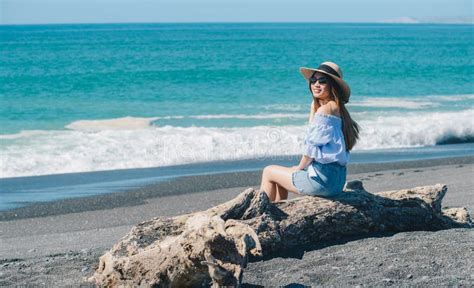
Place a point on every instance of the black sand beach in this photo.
(58, 243)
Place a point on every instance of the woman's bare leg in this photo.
(274, 176)
(282, 193)
(268, 186)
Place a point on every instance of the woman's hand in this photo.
(304, 162)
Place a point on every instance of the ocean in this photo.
(81, 98)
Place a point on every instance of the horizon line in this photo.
(243, 22)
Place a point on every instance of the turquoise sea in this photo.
(77, 98)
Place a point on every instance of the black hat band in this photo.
(328, 70)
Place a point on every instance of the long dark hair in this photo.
(350, 128)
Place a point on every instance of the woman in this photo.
(331, 135)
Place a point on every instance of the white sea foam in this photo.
(255, 116)
(393, 103)
(24, 134)
(74, 151)
(134, 123)
(412, 102)
(456, 97)
(125, 123)
(415, 129)
(50, 152)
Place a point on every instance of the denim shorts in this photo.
(329, 180)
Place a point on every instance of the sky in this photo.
(125, 11)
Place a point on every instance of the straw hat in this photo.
(332, 70)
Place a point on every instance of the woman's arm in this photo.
(304, 162)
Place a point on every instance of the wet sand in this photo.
(58, 243)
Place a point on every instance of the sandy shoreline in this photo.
(61, 247)
(193, 184)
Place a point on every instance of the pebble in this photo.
(425, 278)
(388, 280)
(85, 269)
(31, 250)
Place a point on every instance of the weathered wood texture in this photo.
(213, 246)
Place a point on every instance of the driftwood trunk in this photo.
(212, 247)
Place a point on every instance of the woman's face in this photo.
(320, 91)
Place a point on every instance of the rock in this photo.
(409, 276)
(214, 246)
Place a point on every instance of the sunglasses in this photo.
(322, 80)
